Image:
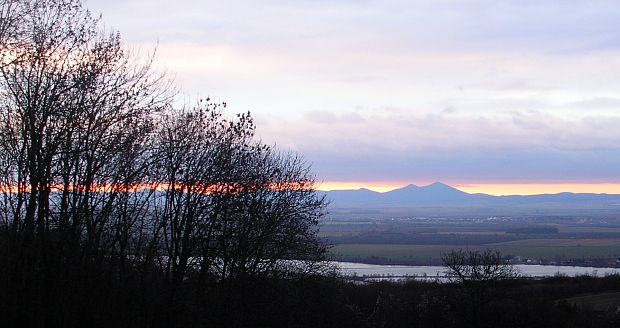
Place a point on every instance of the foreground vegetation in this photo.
(552, 302)
(323, 301)
(118, 208)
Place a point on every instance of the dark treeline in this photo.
(119, 209)
(508, 303)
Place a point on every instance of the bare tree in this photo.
(467, 266)
(271, 221)
(189, 146)
(239, 206)
(478, 272)
(230, 208)
(75, 113)
(105, 187)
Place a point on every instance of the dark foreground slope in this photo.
(329, 301)
(332, 302)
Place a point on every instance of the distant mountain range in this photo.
(442, 195)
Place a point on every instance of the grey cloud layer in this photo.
(428, 90)
(392, 145)
(559, 25)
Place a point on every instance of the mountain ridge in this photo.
(443, 195)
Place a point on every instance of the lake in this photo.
(404, 271)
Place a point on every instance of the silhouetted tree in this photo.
(271, 219)
(113, 203)
(75, 113)
(231, 209)
(194, 150)
(477, 272)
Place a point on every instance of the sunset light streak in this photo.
(353, 185)
(500, 189)
(218, 188)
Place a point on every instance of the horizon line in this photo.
(495, 188)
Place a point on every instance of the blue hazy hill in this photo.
(442, 195)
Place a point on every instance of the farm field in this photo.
(421, 241)
(431, 254)
(560, 243)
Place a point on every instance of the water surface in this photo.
(402, 271)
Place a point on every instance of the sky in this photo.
(503, 97)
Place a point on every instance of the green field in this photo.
(431, 254)
(559, 240)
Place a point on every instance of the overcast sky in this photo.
(464, 92)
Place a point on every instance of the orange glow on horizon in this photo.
(497, 189)
(218, 188)
(348, 185)
(500, 189)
